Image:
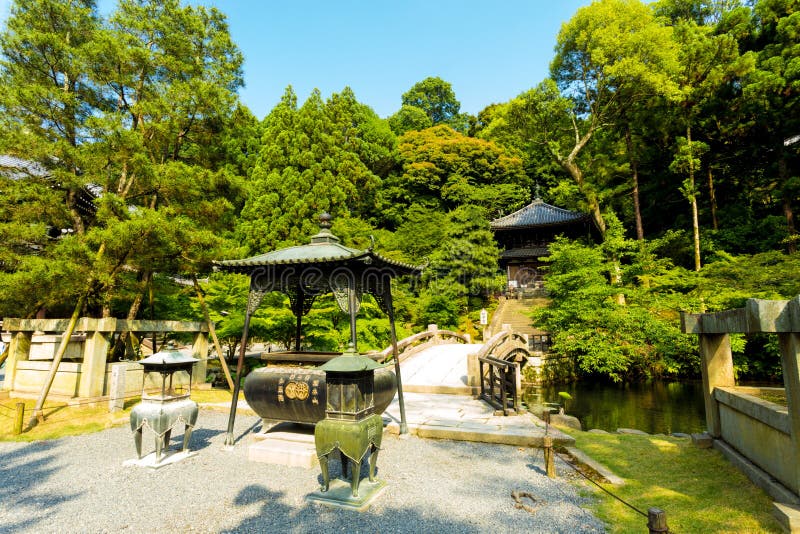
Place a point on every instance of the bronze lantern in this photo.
(351, 425)
(166, 402)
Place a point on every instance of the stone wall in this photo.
(763, 433)
(84, 373)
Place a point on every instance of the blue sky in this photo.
(489, 51)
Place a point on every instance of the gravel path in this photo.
(78, 484)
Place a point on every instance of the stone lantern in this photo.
(166, 402)
(351, 426)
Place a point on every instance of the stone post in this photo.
(95, 353)
(200, 351)
(790, 359)
(116, 389)
(716, 366)
(473, 370)
(18, 351)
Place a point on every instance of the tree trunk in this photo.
(693, 202)
(788, 212)
(713, 198)
(133, 311)
(213, 333)
(635, 177)
(591, 199)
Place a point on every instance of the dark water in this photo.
(655, 407)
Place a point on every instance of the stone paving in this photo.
(464, 418)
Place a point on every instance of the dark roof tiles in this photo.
(537, 213)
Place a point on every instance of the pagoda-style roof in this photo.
(324, 248)
(537, 213)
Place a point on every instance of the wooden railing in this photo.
(497, 364)
(421, 341)
(499, 383)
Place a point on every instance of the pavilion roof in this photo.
(537, 213)
(324, 248)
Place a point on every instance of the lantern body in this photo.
(166, 402)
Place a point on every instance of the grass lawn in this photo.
(62, 420)
(699, 490)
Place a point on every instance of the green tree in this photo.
(443, 169)
(409, 118)
(707, 61)
(320, 157)
(772, 94)
(436, 98)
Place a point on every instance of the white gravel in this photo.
(79, 484)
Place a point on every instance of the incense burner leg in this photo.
(137, 439)
(326, 479)
(187, 435)
(373, 462)
(355, 469)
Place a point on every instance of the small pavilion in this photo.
(305, 272)
(525, 237)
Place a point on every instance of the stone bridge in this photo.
(443, 361)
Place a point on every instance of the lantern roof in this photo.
(168, 357)
(350, 362)
(323, 248)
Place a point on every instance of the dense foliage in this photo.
(130, 163)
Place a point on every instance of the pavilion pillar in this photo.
(396, 354)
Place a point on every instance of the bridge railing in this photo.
(421, 341)
(506, 346)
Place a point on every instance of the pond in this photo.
(656, 407)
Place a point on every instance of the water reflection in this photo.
(655, 407)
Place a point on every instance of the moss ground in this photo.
(61, 420)
(698, 488)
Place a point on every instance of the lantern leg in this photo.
(326, 479)
(159, 446)
(356, 472)
(373, 461)
(167, 437)
(187, 435)
(137, 439)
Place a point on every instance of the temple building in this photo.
(525, 235)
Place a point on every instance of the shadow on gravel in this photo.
(20, 472)
(275, 516)
(201, 438)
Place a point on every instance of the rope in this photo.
(620, 499)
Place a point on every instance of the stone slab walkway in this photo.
(463, 418)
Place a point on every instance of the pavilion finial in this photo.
(325, 220)
(537, 195)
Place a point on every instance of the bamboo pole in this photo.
(37, 415)
(19, 418)
(213, 333)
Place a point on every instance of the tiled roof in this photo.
(323, 248)
(532, 252)
(537, 213)
(18, 169)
